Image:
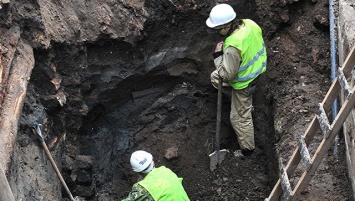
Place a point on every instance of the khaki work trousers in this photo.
(241, 112)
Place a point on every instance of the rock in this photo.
(321, 21)
(285, 17)
(84, 162)
(67, 162)
(171, 153)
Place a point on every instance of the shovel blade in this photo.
(216, 158)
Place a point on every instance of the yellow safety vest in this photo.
(248, 39)
(163, 184)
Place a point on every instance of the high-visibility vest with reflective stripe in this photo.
(248, 39)
(163, 184)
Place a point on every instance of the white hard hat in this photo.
(220, 14)
(142, 161)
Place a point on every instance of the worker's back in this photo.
(163, 184)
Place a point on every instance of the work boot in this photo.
(238, 153)
(243, 153)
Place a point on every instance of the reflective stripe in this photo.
(249, 41)
(252, 75)
(255, 58)
(163, 184)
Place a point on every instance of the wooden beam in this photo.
(5, 190)
(7, 51)
(11, 109)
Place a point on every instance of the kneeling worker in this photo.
(157, 184)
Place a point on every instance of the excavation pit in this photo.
(103, 92)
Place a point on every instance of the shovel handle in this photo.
(37, 130)
(219, 111)
(57, 170)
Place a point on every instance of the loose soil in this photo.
(153, 92)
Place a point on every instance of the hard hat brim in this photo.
(210, 24)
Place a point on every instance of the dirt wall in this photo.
(346, 41)
(345, 30)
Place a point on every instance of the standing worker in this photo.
(158, 184)
(239, 61)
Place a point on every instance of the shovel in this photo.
(37, 130)
(218, 155)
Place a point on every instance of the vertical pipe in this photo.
(333, 53)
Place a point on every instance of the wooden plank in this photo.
(5, 190)
(331, 95)
(335, 89)
(11, 109)
(7, 51)
(324, 145)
